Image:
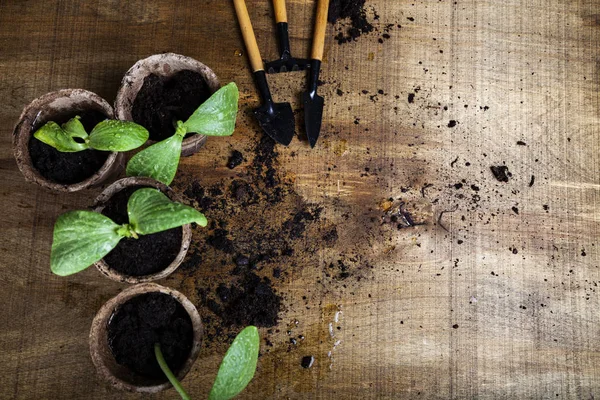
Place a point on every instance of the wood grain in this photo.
(494, 296)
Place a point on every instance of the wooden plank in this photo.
(481, 301)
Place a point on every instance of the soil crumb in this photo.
(501, 173)
(235, 159)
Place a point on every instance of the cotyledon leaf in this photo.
(216, 116)
(75, 128)
(150, 211)
(53, 135)
(115, 135)
(80, 239)
(238, 366)
(158, 161)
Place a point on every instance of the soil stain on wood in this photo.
(141, 322)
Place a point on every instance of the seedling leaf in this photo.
(238, 366)
(114, 135)
(80, 239)
(150, 211)
(158, 161)
(75, 128)
(53, 135)
(216, 116)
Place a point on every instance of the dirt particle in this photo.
(235, 159)
(501, 173)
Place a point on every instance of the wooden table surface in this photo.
(494, 295)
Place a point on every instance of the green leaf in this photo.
(75, 128)
(80, 239)
(238, 366)
(158, 161)
(114, 135)
(150, 211)
(53, 135)
(216, 116)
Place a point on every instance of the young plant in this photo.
(83, 237)
(215, 117)
(236, 370)
(108, 135)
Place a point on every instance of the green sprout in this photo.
(215, 117)
(83, 237)
(108, 135)
(236, 370)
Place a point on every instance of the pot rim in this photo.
(22, 134)
(161, 64)
(186, 238)
(100, 351)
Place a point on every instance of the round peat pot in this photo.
(164, 250)
(103, 329)
(46, 166)
(165, 81)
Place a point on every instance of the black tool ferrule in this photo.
(284, 39)
(260, 78)
(313, 76)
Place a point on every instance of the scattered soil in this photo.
(241, 266)
(252, 301)
(354, 11)
(143, 321)
(68, 168)
(501, 173)
(144, 256)
(161, 102)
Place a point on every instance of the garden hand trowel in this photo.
(276, 119)
(285, 62)
(313, 103)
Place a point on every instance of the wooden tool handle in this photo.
(248, 33)
(320, 28)
(280, 13)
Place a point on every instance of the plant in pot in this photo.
(149, 335)
(82, 238)
(67, 170)
(215, 117)
(164, 88)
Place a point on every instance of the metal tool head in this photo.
(313, 115)
(277, 120)
(287, 64)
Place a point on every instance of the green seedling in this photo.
(83, 237)
(108, 135)
(236, 370)
(215, 117)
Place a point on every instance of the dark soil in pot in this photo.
(162, 101)
(68, 168)
(144, 320)
(144, 256)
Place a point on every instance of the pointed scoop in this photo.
(313, 115)
(277, 120)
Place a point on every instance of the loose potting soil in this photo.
(68, 168)
(161, 102)
(146, 255)
(354, 11)
(143, 321)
